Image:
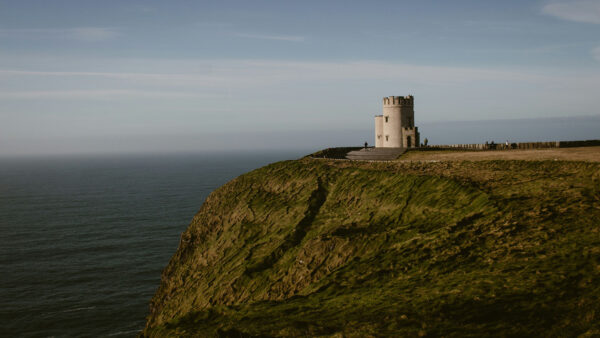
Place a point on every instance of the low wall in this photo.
(520, 145)
(587, 143)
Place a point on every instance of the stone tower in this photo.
(396, 127)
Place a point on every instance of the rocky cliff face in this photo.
(317, 247)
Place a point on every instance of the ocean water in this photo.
(83, 240)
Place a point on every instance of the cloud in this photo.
(92, 33)
(587, 11)
(188, 78)
(243, 73)
(76, 33)
(91, 94)
(250, 73)
(182, 77)
(114, 75)
(146, 9)
(291, 38)
(596, 53)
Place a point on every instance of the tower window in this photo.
(386, 118)
(387, 137)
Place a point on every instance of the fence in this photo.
(520, 145)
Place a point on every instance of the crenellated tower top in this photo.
(398, 101)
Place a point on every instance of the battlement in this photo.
(398, 101)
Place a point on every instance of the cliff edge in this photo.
(320, 248)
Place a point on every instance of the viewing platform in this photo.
(376, 154)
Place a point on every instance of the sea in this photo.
(84, 239)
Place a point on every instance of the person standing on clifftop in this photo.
(366, 145)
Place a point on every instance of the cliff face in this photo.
(316, 247)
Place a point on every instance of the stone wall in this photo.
(379, 131)
(410, 137)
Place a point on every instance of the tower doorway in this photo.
(408, 142)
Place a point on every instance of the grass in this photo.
(341, 248)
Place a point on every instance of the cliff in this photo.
(319, 247)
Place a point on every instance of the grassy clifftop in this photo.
(318, 247)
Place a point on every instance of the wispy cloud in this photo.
(190, 78)
(244, 73)
(587, 11)
(146, 9)
(181, 77)
(596, 53)
(113, 75)
(502, 26)
(91, 94)
(292, 38)
(76, 33)
(539, 49)
(92, 33)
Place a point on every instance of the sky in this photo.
(140, 76)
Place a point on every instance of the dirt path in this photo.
(564, 154)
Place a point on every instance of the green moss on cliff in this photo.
(317, 247)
